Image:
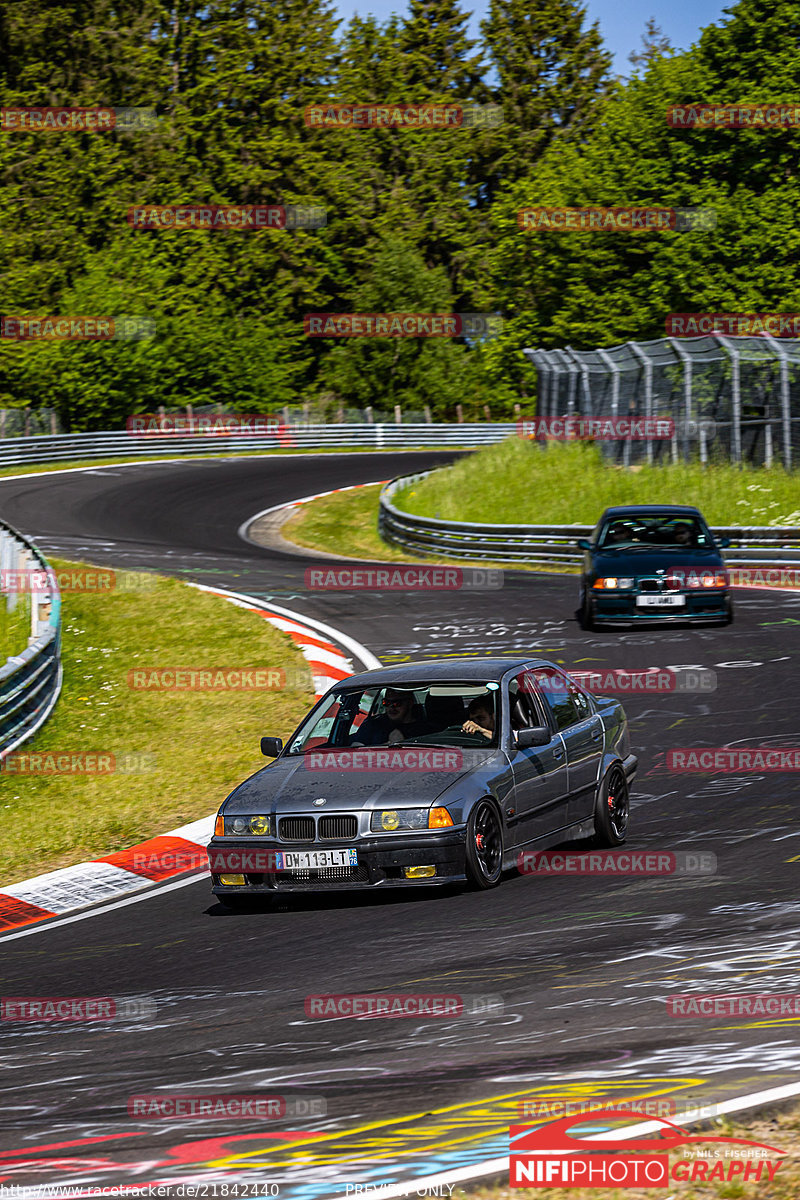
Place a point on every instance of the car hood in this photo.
(291, 785)
(647, 562)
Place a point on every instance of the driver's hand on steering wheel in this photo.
(473, 727)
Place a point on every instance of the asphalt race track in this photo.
(583, 964)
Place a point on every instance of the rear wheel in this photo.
(612, 808)
(484, 853)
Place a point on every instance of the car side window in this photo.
(525, 706)
(559, 694)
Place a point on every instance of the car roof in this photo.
(627, 510)
(466, 670)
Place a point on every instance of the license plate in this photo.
(304, 860)
(660, 601)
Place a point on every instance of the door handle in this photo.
(558, 754)
(596, 735)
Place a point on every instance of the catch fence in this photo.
(734, 399)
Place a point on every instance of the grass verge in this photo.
(346, 523)
(520, 482)
(780, 1129)
(15, 626)
(177, 754)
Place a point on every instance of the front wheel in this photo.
(484, 854)
(586, 611)
(612, 809)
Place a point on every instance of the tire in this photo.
(484, 851)
(728, 620)
(586, 611)
(612, 808)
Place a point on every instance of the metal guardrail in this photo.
(552, 545)
(30, 682)
(76, 446)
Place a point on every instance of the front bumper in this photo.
(380, 864)
(613, 607)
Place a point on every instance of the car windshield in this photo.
(652, 532)
(430, 714)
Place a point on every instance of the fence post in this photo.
(369, 414)
(736, 397)
(648, 389)
(459, 414)
(428, 417)
(586, 408)
(398, 415)
(786, 399)
(687, 392)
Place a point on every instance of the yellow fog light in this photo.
(389, 820)
(419, 872)
(232, 880)
(439, 818)
(259, 824)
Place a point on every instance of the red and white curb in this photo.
(181, 850)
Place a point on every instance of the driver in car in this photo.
(480, 718)
(683, 534)
(395, 724)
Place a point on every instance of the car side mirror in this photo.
(723, 542)
(538, 735)
(271, 747)
(584, 544)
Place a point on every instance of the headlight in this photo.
(244, 826)
(391, 819)
(612, 581)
